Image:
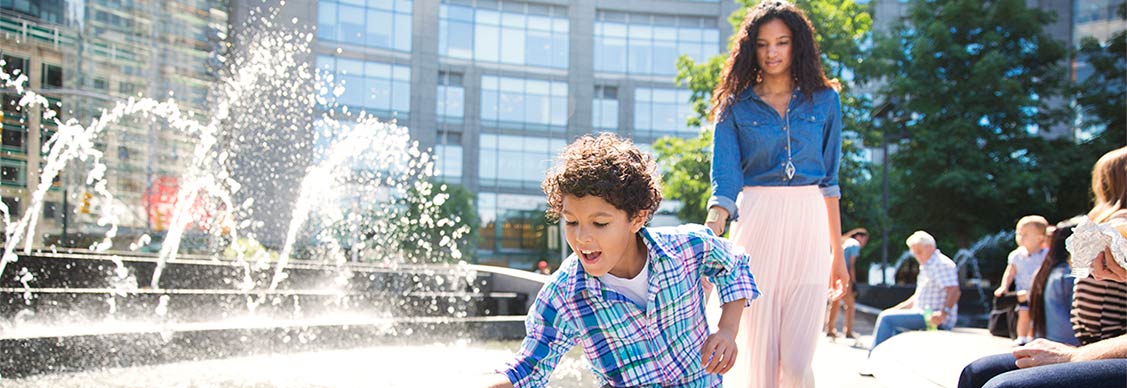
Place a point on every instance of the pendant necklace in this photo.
(786, 126)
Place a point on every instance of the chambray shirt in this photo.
(1058, 303)
(931, 283)
(750, 145)
(627, 346)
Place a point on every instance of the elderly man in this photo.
(937, 293)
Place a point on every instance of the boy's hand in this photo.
(718, 354)
(999, 291)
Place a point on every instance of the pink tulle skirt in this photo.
(785, 231)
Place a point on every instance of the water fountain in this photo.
(71, 310)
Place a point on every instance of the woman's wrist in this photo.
(716, 214)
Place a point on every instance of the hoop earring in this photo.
(759, 76)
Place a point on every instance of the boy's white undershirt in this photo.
(635, 289)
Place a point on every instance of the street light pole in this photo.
(884, 209)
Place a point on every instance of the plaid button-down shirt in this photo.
(931, 293)
(625, 345)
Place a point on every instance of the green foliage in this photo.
(685, 173)
(973, 77)
(442, 223)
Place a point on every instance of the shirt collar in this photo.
(657, 261)
(750, 93)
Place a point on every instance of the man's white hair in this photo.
(921, 237)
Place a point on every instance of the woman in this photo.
(774, 173)
(851, 245)
(1050, 296)
(1099, 316)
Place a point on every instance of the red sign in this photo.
(161, 199)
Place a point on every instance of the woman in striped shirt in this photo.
(1099, 314)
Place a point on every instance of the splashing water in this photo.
(364, 161)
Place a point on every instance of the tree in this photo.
(685, 173)
(442, 224)
(840, 25)
(974, 77)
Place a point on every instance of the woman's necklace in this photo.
(789, 169)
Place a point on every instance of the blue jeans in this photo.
(893, 322)
(999, 371)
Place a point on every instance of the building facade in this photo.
(497, 88)
(85, 56)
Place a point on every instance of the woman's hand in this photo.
(1043, 352)
(1105, 268)
(839, 277)
(717, 216)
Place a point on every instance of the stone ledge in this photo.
(929, 359)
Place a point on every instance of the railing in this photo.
(26, 30)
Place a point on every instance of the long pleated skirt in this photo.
(785, 231)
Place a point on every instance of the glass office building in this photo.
(497, 88)
(85, 56)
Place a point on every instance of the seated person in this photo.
(937, 292)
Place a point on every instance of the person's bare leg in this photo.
(850, 305)
(831, 323)
(1024, 326)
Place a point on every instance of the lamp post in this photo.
(886, 111)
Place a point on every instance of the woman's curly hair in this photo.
(608, 167)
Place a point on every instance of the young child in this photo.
(631, 296)
(1023, 264)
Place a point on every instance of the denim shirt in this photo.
(750, 145)
(1058, 303)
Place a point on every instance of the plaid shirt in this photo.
(935, 276)
(626, 346)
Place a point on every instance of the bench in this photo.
(932, 358)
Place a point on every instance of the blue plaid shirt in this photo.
(931, 286)
(657, 347)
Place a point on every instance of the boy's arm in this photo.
(548, 338)
(497, 381)
(1007, 278)
(718, 355)
(726, 268)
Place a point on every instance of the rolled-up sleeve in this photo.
(726, 177)
(831, 147)
(726, 267)
(548, 338)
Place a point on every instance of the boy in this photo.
(629, 295)
(1023, 264)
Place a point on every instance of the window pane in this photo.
(460, 40)
(379, 28)
(485, 43)
(403, 32)
(351, 24)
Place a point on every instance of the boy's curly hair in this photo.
(608, 167)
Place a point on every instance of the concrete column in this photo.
(581, 67)
(424, 72)
(471, 129)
